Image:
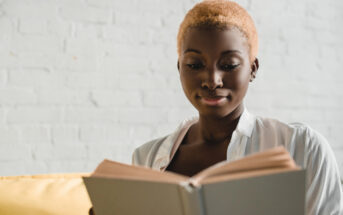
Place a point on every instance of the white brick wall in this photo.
(81, 80)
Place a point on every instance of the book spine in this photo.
(191, 199)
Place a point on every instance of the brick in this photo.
(92, 80)
(61, 62)
(35, 167)
(320, 10)
(258, 100)
(108, 151)
(93, 134)
(14, 152)
(63, 97)
(100, 4)
(339, 158)
(123, 65)
(2, 116)
(3, 77)
(11, 149)
(32, 26)
(81, 46)
(140, 133)
(29, 60)
(69, 166)
(258, 10)
(63, 134)
(165, 36)
(37, 77)
(134, 18)
(90, 115)
(129, 34)
(5, 51)
(327, 38)
(119, 50)
(17, 96)
(129, 5)
(36, 43)
(77, 63)
(165, 98)
(20, 9)
(88, 30)
(82, 13)
(13, 168)
(32, 115)
(137, 82)
(332, 115)
(116, 98)
(167, 67)
(59, 27)
(335, 131)
(141, 115)
(117, 134)
(8, 136)
(59, 152)
(174, 82)
(35, 134)
(7, 26)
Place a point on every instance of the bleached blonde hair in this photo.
(220, 14)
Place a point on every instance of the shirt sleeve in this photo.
(323, 185)
(133, 160)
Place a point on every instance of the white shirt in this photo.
(309, 149)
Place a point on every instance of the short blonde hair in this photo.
(220, 14)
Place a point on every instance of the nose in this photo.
(212, 79)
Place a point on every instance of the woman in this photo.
(217, 49)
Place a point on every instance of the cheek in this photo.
(238, 81)
(188, 82)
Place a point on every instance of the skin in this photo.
(214, 64)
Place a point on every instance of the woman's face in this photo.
(215, 70)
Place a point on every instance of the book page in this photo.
(275, 159)
(112, 169)
(267, 162)
(241, 175)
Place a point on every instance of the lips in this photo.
(213, 101)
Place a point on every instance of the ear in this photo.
(254, 67)
(178, 65)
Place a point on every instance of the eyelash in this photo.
(229, 67)
(226, 67)
(195, 66)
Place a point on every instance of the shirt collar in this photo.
(244, 127)
(246, 123)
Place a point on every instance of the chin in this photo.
(215, 112)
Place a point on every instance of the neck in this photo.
(213, 130)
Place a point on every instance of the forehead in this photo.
(212, 41)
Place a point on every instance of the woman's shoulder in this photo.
(293, 129)
(157, 150)
(276, 124)
(144, 154)
(303, 141)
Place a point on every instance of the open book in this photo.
(265, 183)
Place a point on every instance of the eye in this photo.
(195, 66)
(228, 67)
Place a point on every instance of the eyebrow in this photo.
(192, 50)
(223, 53)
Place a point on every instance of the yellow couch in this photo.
(51, 194)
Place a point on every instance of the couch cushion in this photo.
(49, 194)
